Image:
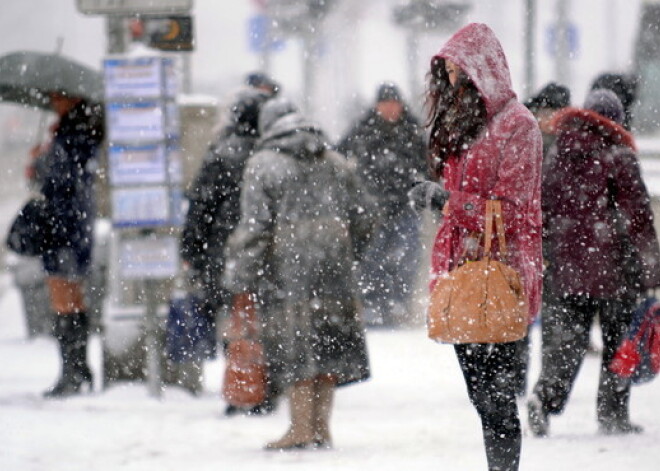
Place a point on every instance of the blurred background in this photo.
(329, 56)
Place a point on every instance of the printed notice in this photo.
(135, 122)
(140, 206)
(134, 165)
(133, 78)
(151, 257)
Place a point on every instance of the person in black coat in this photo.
(214, 201)
(388, 145)
(67, 180)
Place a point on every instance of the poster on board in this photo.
(137, 164)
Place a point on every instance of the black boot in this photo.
(71, 332)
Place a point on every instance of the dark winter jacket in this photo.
(596, 209)
(302, 224)
(213, 198)
(390, 156)
(503, 162)
(68, 187)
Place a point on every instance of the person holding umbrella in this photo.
(65, 179)
(67, 186)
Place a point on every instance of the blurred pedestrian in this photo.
(302, 225)
(262, 81)
(213, 204)
(388, 146)
(484, 145)
(67, 179)
(550, 99)
(624, 87)
(603, 252)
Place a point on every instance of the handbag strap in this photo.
(494, 213)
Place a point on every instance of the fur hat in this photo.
(605, 103)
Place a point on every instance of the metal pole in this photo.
(264, 58)
(309, 71)
(186, 85)
(116, 31)
(529, 84)
(412, 49)
(152, 341)
(562, 59)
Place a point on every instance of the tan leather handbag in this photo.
(480, 301)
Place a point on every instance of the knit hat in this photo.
(553, 96)
(388, 92)
(606, 103)
(260, 79)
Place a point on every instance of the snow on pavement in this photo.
(413, 414)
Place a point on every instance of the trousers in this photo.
(489, 370)
(566, 324)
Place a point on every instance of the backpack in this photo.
(638, 357)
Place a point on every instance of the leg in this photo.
(324, 388)
(300, 433)
(520, 363)
(71, 331)
(488, 373)
(402, 263)
(565, 337)
(612, 404)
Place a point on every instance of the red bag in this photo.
(244, 383)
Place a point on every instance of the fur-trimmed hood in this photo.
(587, 130)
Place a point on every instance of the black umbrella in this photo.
(28, 77)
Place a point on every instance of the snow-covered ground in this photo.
(413, 414)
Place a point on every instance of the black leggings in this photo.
(489, 370)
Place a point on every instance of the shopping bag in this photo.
(637, 359)
(244, 382)
(481, 301)
(190, 333)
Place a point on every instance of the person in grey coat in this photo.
(302, 226)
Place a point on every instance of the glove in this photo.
(427, 194)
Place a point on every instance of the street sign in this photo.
(133, 7)
(169, 33)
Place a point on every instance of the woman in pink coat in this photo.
(484, 145)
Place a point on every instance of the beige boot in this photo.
(324, 391)
(301, 432)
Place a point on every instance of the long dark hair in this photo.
(456, 115)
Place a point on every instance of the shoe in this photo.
(537, 417)
(70, 385)
(623, 427)
(265, 408)
(301, 432)
(231, 410)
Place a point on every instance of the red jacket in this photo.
(594, 168)
(504, 163)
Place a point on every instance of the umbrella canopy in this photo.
(28, 77)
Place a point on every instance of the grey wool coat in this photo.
(302, 226)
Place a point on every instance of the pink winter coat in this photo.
(504, 162)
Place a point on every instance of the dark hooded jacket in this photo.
(68, 187)
(302, 225)
(214, 195)
(598, 222)
(390, 156)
